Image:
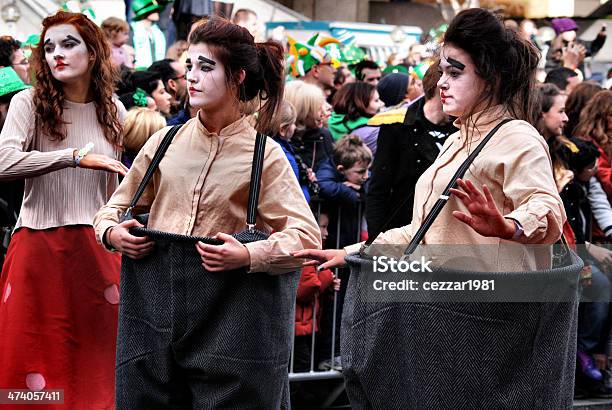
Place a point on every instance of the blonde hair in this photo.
(350, 150)
(307, 99)
(140, 124)
(285, 116)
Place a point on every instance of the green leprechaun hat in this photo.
(10, 81)
(302, 57)
(419, 70)
(395, 69)
(352, 54)
(142, 8)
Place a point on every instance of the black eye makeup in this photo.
(69, 42)
(206, 64)
(207, 60)
(456, 64)
(76, 40)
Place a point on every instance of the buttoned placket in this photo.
(198, 191)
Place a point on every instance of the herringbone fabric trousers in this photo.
(189, 338)
(450, 355)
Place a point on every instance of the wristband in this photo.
(82, 153)
(518, 231)
(106, 239)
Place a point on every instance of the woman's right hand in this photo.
(103, 163)
(325, 259)
(135, 247)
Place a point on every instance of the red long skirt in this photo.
(58, 316)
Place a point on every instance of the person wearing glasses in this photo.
(172, 73)
(11, 55)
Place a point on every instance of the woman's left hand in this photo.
(231, 255)
(484, 217)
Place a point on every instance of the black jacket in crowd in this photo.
(405, 150)
(314, 143)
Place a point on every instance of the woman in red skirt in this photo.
(59, 289)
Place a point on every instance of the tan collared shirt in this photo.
(515, 165)
(201, 188)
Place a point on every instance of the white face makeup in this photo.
(66, 54)
(459, 84)
(207, 84)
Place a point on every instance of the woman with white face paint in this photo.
(508, 193)
(232, 313)
(60, 290)
(507, 198)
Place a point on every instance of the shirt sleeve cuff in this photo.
(257, 251)
(527, 221)
(101, 228)
(68, 157)
(353, 248)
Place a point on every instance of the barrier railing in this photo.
(312, 373)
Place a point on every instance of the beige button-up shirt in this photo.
(516, 166)
(201, 188)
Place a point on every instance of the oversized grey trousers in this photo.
(189, 338)
(459, 355)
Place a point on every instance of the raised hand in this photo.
(483, 217)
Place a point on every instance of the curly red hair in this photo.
(49, 94)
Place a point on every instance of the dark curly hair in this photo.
(8, 46)
(263, 64)
(49, 94)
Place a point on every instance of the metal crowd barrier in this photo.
(314, 374)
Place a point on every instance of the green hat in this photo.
(419, 70)
(31, 41)
(353, 54)
(10, 81)
(142, 8)
(396, 69)
(302, 57)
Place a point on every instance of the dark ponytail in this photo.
(271, 56)
(262, 63)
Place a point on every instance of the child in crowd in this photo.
(313, 286)
(314, 295)
(581, 158)
(118, 33)
(284, 130)
(341, 179)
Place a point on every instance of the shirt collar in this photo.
(415, 111)
(235, 128)
(482, 122)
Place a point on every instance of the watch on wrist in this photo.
(82, 153)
